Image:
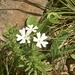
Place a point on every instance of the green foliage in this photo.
(35, 66)
(53, 17)
(22, 57)
(26, 59)
(69, 3)
(73, 56)
(10, 35)
(43, 26)
(31, 20)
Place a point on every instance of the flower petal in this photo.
(43, 37)
(22, 31)
(44, 43)
(19, 37)
(22, 41)
(35, 27)
(38, 35)
(28, 41)
(38, 45)
(30, 26)
(27, 28)
(35, 39)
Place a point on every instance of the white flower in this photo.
(40, 40)
(23, 37)
(31, 28)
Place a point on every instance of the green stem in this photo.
(7, 70)
(69, 4)
(65, 12)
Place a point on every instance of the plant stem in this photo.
(6, 65)
(65, 12)
(69, 4)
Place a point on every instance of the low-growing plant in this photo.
(34, 49)
(23, 50)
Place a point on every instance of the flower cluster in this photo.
(25, 36)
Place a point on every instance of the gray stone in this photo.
(17, 11)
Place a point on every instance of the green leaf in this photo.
(39, 68)
(35, 72)
(31, 20)
(73, 56)
(7, 27)
(21, 66)
(31, 70)
(28, 68)
(44, 73)
(53, 17)
(43, 27)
